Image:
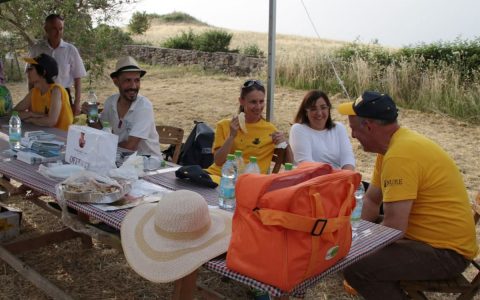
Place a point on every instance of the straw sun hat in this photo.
(127, 64)
(166, 241)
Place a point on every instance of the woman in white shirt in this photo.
(315, 137)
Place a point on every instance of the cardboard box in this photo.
(10, 220)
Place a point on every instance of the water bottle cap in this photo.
(238, 153)
(288, 166)
(230, 157)
(14, 113)
(253, 159)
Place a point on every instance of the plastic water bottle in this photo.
(14, 131)
(226, 198)
(92, 107)
(357, 212)
(252, 166)
(239, 162)
(106, 126)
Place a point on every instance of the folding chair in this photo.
(173, 136)
(459, 284)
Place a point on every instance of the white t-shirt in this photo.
(70, 64)
(330, 146)
(139, 122)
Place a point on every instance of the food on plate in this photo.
(91, 186)
(241, 122)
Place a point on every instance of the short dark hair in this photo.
(41, 72)
(308, 101)
(52, 17)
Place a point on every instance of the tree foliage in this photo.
(139, 23)
(22, 18)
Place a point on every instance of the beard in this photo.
(129, 94)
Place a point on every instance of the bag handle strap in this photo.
(314, 226)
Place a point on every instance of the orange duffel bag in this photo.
(290, 226)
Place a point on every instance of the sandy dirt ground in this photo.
(179, 97)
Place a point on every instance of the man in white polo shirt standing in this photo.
(70, 64)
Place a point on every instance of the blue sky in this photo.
(391, 22)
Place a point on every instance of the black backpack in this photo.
(197, 149)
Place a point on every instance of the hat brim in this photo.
(30, 60)
(346, 109)
(162, 259)
(116, 73)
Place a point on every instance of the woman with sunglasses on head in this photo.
(316, 137)
(46, 104)
(259, 138)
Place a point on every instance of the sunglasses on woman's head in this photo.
(252, 82)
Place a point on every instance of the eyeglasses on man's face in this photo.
(252, 82)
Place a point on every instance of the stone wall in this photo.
(229, 63)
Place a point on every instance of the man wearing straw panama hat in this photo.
(130, 114)
(167, 241)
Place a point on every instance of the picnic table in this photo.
(367, 237)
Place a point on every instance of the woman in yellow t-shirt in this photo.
(47, 103)
(259, 138)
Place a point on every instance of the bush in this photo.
(252, 50)
(463, 55)
(139, 23)
(208, 41)
(372, 53)
(183, 41)
(213, 41)
(176, 17)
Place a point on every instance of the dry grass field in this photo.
(179, 96)
(285, 44)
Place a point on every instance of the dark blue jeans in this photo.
(377, 276)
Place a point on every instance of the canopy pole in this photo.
(271, 58)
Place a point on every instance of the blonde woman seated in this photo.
(259, 139)
(47, 102)
(315, 137)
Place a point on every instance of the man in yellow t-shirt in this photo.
(423, 196)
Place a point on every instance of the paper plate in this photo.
(63, 171)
